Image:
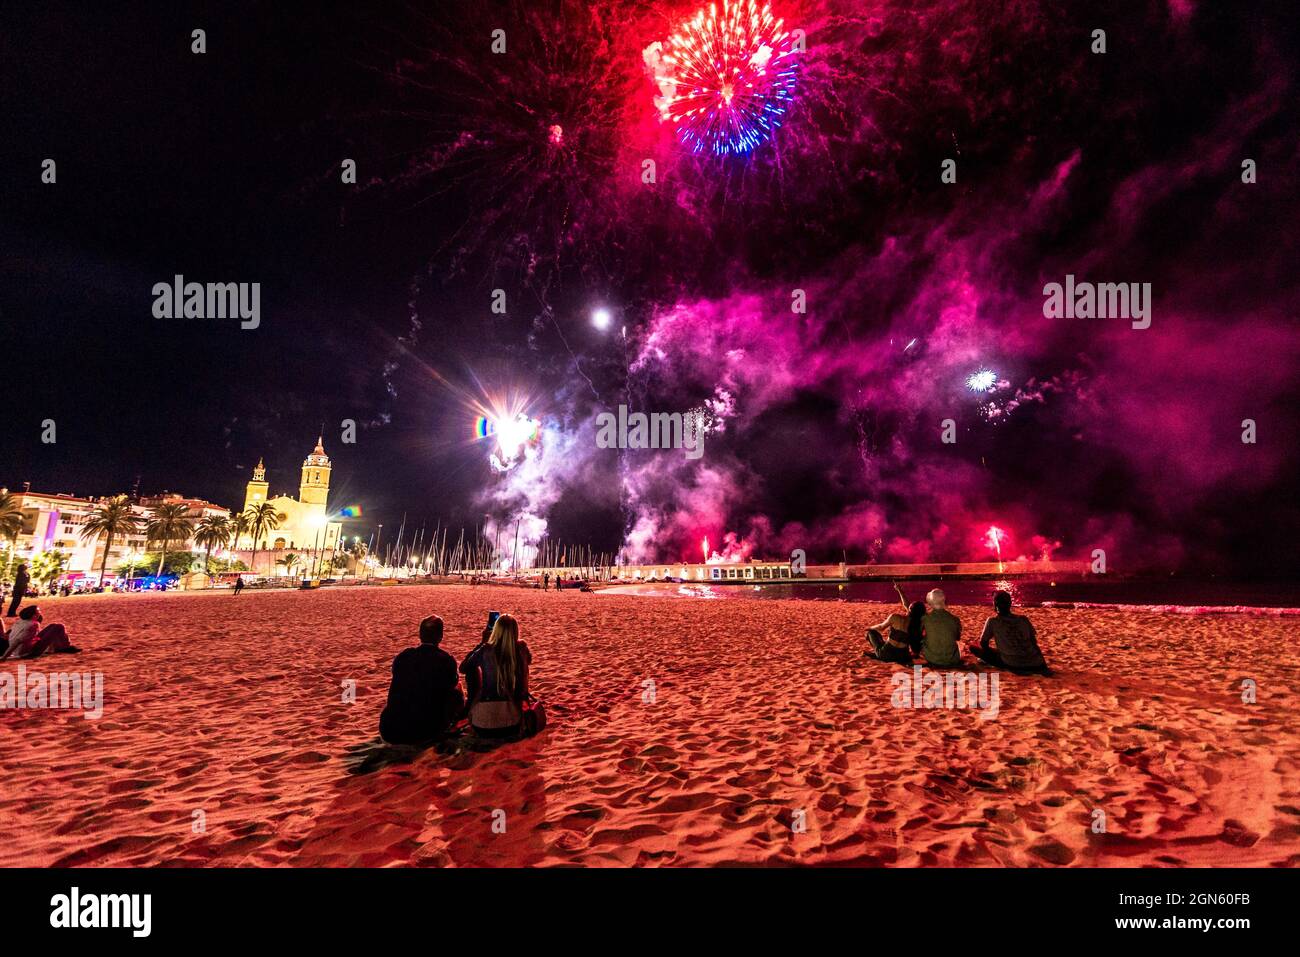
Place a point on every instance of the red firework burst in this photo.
(726, 77)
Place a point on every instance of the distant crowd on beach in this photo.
(930, 632)
(425, 701)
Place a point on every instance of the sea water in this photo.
(1158, 594)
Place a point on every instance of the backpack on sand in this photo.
(534, 717)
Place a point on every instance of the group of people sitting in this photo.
(27, 639)
(425, 702)
(931, 632)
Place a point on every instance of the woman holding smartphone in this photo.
(467, 668)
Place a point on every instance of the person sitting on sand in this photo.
(895, 637)
(27, 639)
(424, 698)
(468, 668)
(1017, 643)
(942, 632)
(501, 664)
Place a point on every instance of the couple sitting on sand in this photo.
(27, 639)
(934, 635)
(425, 701)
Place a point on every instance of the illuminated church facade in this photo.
(306, 523)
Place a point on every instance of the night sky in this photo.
(376, 297)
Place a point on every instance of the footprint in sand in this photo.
(581, 821)
(127, 804)
(750, 779)
(1051, 850)
(310, 757)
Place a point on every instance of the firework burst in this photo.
(512, 434)
(513, 438)
(726, 76)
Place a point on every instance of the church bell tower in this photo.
(256, 491)
(315, 486)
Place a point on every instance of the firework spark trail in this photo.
(993, 538)
(534, 135)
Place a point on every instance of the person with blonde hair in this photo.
(501, 664)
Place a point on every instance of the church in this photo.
(306, 521)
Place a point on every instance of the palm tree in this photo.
(238, 528)
(359, 550)
(170, 523)
(47, 566)
(289, 561)
(109, 518)
(262, 518)
(212, 530)
(11, 521)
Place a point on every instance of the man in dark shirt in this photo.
(1017, 642)
(424, 699)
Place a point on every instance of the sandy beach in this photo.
(768, 740)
